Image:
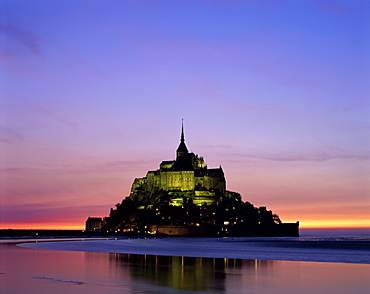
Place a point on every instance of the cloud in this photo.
(308, 157)
(77, 63)
(19, 43)
(334, 209)
(6, 141)
(24, 37)
(221, 146)
(18, 170)
(73, 125)
(341, 8)
(73, 168)
(11, 136)
(49, 212)
(121, 165)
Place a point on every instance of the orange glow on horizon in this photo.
(339, 224)
(41, 226)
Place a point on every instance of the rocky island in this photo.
(186, 198)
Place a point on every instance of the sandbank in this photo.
(241, 248)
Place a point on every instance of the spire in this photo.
(182, 150)
(182, 131)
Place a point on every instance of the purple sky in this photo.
(93, 93)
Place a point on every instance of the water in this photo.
(30, 270)
(316, 249)
(337, 233)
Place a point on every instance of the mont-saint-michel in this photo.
(186, 198)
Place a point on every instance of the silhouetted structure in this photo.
(94, 223)
(184, 197)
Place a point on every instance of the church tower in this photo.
(182, 150)
(187, 176)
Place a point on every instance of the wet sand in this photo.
(291, 249)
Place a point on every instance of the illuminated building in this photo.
(187, 176)
(184, 197)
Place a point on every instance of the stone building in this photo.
(187, 176)
(185, 197)
(94, 223)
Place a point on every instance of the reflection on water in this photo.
(25, 270)
(187, 273)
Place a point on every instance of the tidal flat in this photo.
(163, 267)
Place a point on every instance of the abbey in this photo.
(185, 197)
(187, 176)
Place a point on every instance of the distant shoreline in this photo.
(40, 233)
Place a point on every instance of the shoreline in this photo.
(347, 250)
